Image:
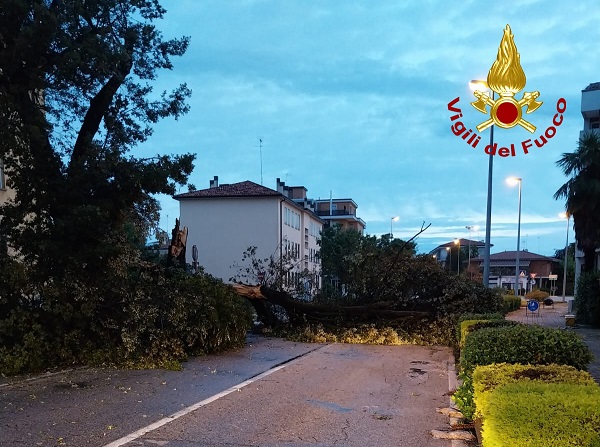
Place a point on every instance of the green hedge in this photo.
(468, 326)
(524, 344)
(542, 415)
(472, 316)
(537, 294)
(587, 300)
(489, 377)
(511, 303)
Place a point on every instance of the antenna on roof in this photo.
(261, 170)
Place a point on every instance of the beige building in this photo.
(340, 212)
(226, 219)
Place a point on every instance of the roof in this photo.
(592, 86)
(241, 189)
(463, 243)
(507, 256)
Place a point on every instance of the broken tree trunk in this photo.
(301, 311)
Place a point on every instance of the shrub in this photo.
(537, 295)
(587, 299)
(469, 326)
(474, 316)
(511, 302)
(489, 377)
(516, 344)
(524, 344)
(566, 415)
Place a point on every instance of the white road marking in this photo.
(142, 431)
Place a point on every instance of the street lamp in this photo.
(448, 249)
(470, 227)
(512, 181)
(392, 220)
(482, 85)
(457, 242)
(568, 217)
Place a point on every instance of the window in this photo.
(594, 123)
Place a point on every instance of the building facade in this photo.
(340, 212)
(223, 221)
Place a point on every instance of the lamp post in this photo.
(470, 227)
(565, 260)
(517, 181)
(457, 242)
(476, 85)
(448, 249)
(392, 220)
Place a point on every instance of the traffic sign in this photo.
(533, 305)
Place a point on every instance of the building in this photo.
(340, 212)
(442, 252)
(590, 111)
(532, 267)
(225, 220)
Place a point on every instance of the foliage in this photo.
(474, 316)
(429, 333)
(468, 326)
(489, 377)
(560, 255)
(511, 302)
(279, 271)
(537, 295)
(587, 299)
(144, 316)
(567, 414)
(524, 344)
(582, 193)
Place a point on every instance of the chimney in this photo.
(281, 188)
(214, 183)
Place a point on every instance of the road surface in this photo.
(271, 393)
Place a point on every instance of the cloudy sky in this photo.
(352, 97)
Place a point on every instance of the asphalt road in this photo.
(271, 393)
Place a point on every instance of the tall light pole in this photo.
(449, 250)
(457, 242)
(565, 260)
(517, 181)
(392, 220)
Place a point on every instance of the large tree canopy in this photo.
(582, 193)
(75, 99)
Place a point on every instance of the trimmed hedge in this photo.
(524, 344)
(468, 326)
(489, 377)
(542, 415)
(537, 294)
(472, 316)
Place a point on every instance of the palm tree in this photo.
(582, 193)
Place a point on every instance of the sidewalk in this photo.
(555, 318)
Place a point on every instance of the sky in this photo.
(350, 98)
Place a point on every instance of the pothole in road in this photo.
(416, 372)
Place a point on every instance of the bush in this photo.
(526, 345)
(473, 316)
(587, 299)
(537, 295)
(138, 317)
(489, 377)
(511, 302)
(469, 326)
(516, 344)
(567, 415)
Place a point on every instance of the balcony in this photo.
(335, 213)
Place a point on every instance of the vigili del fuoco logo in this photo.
(506, 78)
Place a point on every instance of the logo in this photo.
(505, 80)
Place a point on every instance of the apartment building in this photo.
(226, 219)
(340, 212)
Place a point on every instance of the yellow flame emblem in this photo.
(506, 77)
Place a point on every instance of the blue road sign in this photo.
(533, 305)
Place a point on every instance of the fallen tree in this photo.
(299, 311)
